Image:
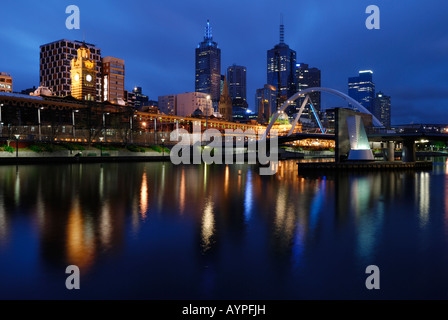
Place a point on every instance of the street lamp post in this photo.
(17, 145)
(206, 112)
(155, 131)
(163, 146)
(101, 146)
(39, 123)
(104, 124)
(73, 123)
(1, 121)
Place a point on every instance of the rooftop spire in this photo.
(208, 32)
(282, 30)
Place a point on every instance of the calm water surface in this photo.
(159, 231)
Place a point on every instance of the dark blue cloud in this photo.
(157, 39)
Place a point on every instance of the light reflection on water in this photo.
(262, 236)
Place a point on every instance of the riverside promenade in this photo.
(77, 156)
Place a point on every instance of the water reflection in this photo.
(229, 215)
(3, 224)
(80, 244)
(422, 196)
(144, 197)
(208, 226)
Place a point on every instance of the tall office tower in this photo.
(83, 76)
(140, 99)
(236, 79)
(383, 109)
(55, 60)
(281, 64)
(113, 80)
(362, 89)
(208, 67)
(266, 102)
(167, 104)
(5, 82)
(306, 78)
(225, 103)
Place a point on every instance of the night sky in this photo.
(409, 54)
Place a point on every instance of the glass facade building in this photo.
(362, 89)
(281, 69)
(382, 109)
(208, 67)
(236, 79)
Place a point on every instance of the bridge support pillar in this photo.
(408, 153)
(390, 154)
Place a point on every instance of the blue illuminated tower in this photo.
(208, 67)
(281, 69)
(362, 89)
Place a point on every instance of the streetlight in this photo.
(17, 144)
(206, 112)
(1, 122)
(104, 123)
(73, 122)
(39, 123)
(101, 146)
(163, 146)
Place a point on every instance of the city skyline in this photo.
(309, 32)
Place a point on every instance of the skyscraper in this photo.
(55, 60)
(382, 109)
(236, 79)
(306, 78)
(362, 89)
(113, 80)
(281, 64)
(208, 67)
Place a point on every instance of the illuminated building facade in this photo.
(83, 76)
(167, 104)
(208, 67)
(266, 101)
(5, 82)
(382, 109)
(113, 80)
(236, 79)
(362, 89)
(187, 103)
(306, 78)
(281, 68)
(55, 58)
(141, 100)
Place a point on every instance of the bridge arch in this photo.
(337, 93)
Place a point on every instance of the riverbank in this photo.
(364, 166)
(77, 156)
